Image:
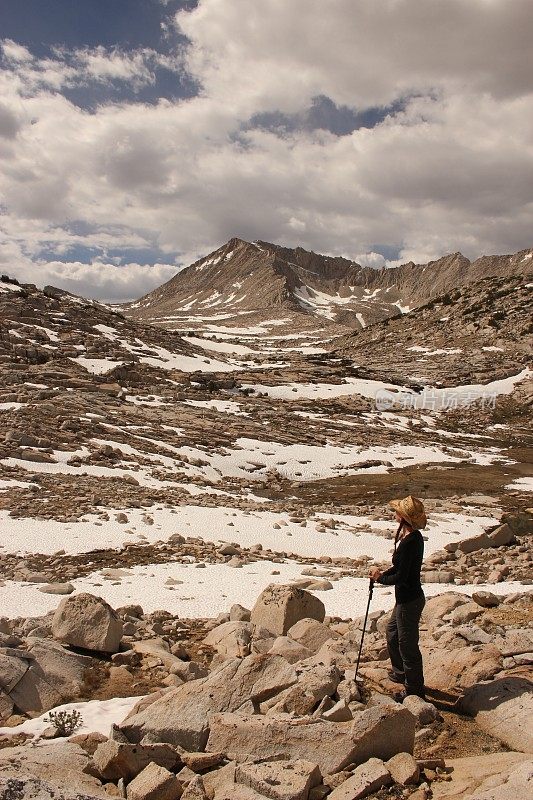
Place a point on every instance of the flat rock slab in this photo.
(48, 675)
(12, 670)
(367, 778)
(469, 774)
(57, 763)
(473, 543)
(461, 667)
(503, 708)
(379, 732)
(180, 717)
(62, 668)
(515, 642)
(35, 789)
(57, 588)
(280, 780)
(157, 648)
(237, 792)
(6, 706)
(34, 692)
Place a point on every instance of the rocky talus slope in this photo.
(57, 328)
(477, 333)
(99, 410)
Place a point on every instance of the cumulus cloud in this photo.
(374, 260)
(274, 54)
(447, 166)
(137, 68)
(33, 236)
(69, 68)
(103, 66)
(103, 280)
(9, 124)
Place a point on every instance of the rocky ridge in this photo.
(479, 332)
(248, 280)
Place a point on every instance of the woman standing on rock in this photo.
(404, 575)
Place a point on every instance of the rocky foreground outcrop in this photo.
(268, 706)
(37, 674)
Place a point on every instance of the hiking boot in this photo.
(395, 678)
(401, 695)
(420, 693)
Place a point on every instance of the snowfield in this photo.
(216, 467)
(388, 394)
(353, 536)
(98, 366)
(213, 590)
(97, 716)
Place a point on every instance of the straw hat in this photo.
(412, 510)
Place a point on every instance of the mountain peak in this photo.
(241, 278)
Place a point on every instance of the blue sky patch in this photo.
(128, 24)
(323, 114)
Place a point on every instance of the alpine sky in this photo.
(138, 135)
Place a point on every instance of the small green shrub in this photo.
(65, 722)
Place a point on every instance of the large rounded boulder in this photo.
(86, 621)
(280, 607)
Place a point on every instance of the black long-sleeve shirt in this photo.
(404, 574)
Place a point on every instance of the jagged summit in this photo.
(227, 277)
(241, 278)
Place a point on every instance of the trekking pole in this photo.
(370, 591)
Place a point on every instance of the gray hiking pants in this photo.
(402, 643)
